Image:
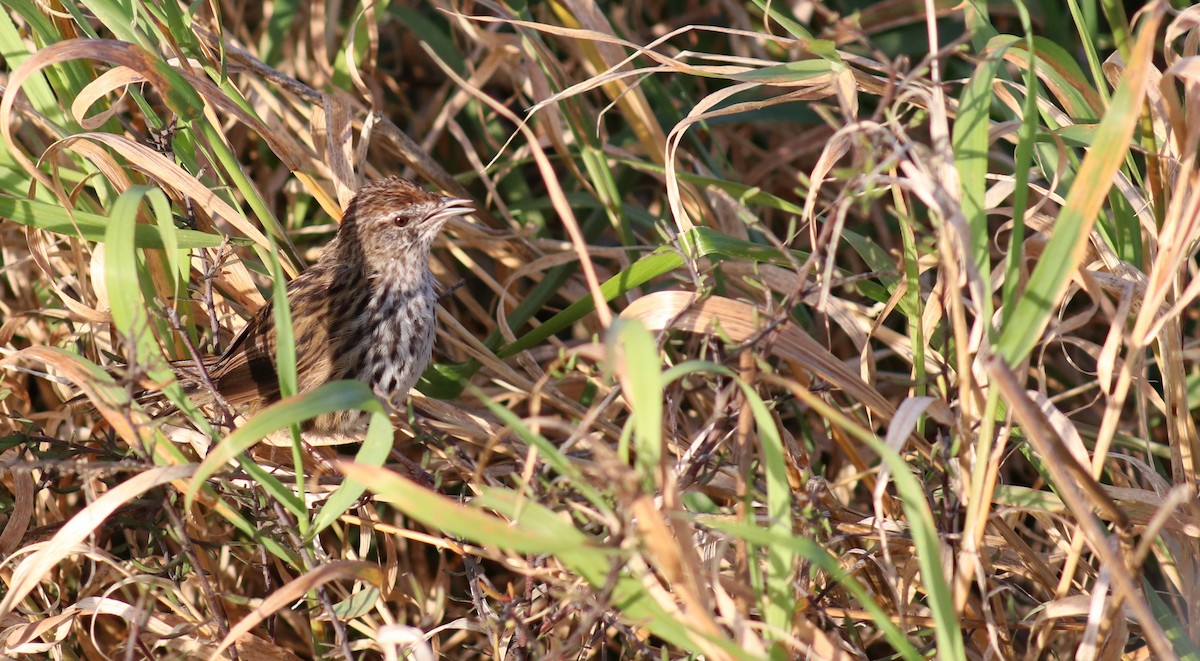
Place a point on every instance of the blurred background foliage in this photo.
(838, 329)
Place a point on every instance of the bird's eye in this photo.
(400, 220)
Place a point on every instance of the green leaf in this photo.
(970, 140)
(550, 452)
(441, 513)
(781, 601)
(330, 397)
(596, 565)
(645, 269)
(789, 23)
(14, 52)
(285, 339)
(120, 266)
(788, 73)
(1059, 72)
(374, 451)
(922, 528)
(1083, 205)
(91, 226)
(432, 33)
(645, 394)
(815, 554)
(1177, 632)
(178, 266)
(119, 18)
(537, 530)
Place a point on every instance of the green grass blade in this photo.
(632, 344)
(1078, 216)
(92, 227)
(335, 396)
(781, 600)
(374, 452)
(815, 554)
(970, 143)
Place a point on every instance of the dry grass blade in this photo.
(37, 566)
(1066, 471)
(302, 585)
(742, 322)
(831, 216)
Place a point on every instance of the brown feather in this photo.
(364, 311)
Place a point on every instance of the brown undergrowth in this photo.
(833, 400)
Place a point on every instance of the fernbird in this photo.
(366, 310)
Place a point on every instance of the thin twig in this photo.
(201, 370)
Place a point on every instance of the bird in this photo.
(366, 310)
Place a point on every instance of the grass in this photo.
(778, 335)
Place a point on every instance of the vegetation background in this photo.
(816, 329)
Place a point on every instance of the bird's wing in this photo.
(245, 373)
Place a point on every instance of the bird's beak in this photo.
(451, 207)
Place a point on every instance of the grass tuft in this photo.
(828, 330)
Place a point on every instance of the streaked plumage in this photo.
(366, 309)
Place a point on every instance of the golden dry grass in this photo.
(864, 413)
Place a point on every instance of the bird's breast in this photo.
(398, 330)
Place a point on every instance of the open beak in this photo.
(451, 207)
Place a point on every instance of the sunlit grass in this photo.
(743, 354)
